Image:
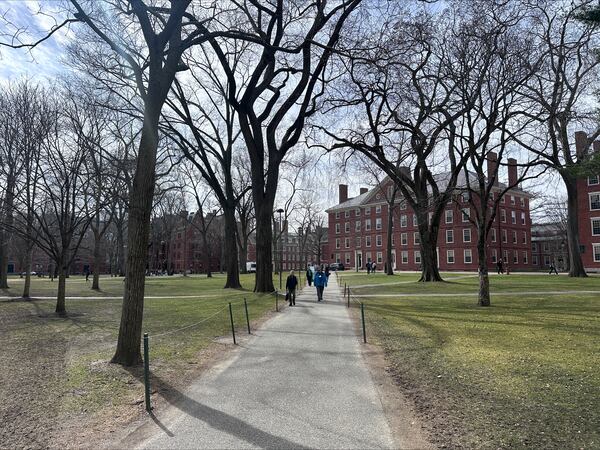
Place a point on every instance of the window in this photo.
(546, 260)
(378, 209)
(514, 240)
(417, 257)
(449, 236)
(522, 202)
(416, 238)
(404, 256)
(404, 239)
(415, 221)
(402, 205)
(367, 224)
(522, 218)
(347, 259)
(504, 237)
(337, 214)
(596, 226)
(546, 247)
(347, 213)
(379, 257)
(393, 240)
(367, 241)
(337, 242)
(347, 227)
(503, 215)
(466, 214)
(512, 200)
(357, 226)
(378, 223)
(525, 260)
(515, 257)
(596, 251)
(595, 201)
(534, 260)
(467, 235)
(449, 216)
(357, 212)
(347, 243)
(534, 247)
(337, 258)
(593, 180)
(494, 256)
(337, 228)
(450, 256)
(503, 199)
(524, 237)
(513, 217)
(358, 241)
(378, 240)
(468, 256)
(367, 210)
(505, 256)
(493, 231)
(403, 221)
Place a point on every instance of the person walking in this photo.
(499, 266)
(368, 267)
(290, 285)
(320, 283)
(309, 276)
(374, 267)
(327, 272)
(553, 268)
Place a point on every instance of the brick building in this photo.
(358, 231)
(549, 244)
(588, 210)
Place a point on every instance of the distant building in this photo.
(549, 245)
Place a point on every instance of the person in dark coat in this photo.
(327, 272)
(309, 276)
(500, 266)
(368, 267)
(290, 285)
(320, 283)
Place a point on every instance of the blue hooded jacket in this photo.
(320, 279)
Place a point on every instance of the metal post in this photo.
(232, 326)
(362, 313)
(348, 297)
(247, 318)
(277, 301)
(147, 374)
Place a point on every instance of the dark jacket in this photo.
(291, 283)
(309, 274)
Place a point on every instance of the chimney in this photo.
(343, 193)
(580, 143)
(364, 190)
(492, 167)
(512, 172)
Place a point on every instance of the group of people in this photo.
(315, 275)
(371, 267)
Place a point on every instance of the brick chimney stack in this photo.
(492, 167)
(580, 143)
(364, 190)
(512, 172)
(343, 193)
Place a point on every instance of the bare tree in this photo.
(244, 210)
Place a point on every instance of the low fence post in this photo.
(362, 313)
(348, 297)
(147, 374)
(247, 318)
(277, 301)
(232, 326)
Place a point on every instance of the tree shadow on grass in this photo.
(212, 417)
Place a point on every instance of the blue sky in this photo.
(34, 19)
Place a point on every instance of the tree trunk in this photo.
(389, 269)
(429, 263)
(138, 231)
(27, 284)
(243, 252)
(96, 271)
(61, 309)
(3, 259)
(484, 279)
(264, 242)
(6, 231)
(231, 253)
(576, 264)
(120, 250)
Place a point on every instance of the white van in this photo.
(251, 267)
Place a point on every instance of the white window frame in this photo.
(515, 257)
(504, 236)
(367, 210)
(337, 243)
(449, 215)
(357, 225)
(465, 214)
(512, 200)
(592, 220)
(415, 221)
(494, 237)
(357, 212)
(378, 224)
(417, 256)
(524, 237)
(515, 238)
(503, 215)
(347, 213)
(591, 177)
(378, 240)
(416, 238)
(379, 257)
(403, 221)
(450, 254)
(469, 252)
(337, 228)
(377, 209)
(463, 234)
(404, 256)
(347, 227)
(450, 234)
(513, 217)
(367, 224)
(590, 200)
(403, 239)
(346, 242)
(337, 214)
(367, 241)
(525, 258)
(494, 255)
(596, 252)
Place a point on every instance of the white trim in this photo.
(592, 225)
(590, 200)
(596, 252)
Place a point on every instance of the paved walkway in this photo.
(301, 382)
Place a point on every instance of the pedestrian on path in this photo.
(290, 285)
(368, 267)
(499, 266)
(553, 268)
(320, 283)
(309, 276)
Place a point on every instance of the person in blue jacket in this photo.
(320, 281)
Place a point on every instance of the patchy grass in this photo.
(55, 371)
(522, 373)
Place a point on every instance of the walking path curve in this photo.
(300, 382)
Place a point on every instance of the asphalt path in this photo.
(300, 382)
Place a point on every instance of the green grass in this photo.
(62, 363)
(522, 373)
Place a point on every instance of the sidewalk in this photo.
(301, 382)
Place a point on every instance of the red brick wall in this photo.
(585, 215)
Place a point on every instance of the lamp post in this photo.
(280, 211)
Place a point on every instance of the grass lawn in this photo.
(55, 371)
(522, 373)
